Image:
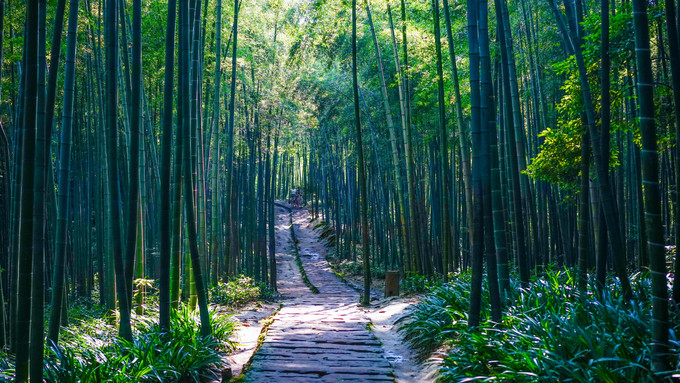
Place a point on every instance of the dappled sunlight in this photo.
(318, 337)
(309, 166)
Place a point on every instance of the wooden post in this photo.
(391, 283)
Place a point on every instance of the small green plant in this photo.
(142, 286)
(418, 284)
(6, 366)
(240, 290)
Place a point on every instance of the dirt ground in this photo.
(251, 318)
(383, 314)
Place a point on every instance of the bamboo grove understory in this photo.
(144, 154)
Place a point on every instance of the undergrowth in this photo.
(418, 284)
(327, 233)
(89, 349)
(239, 291)
(550, 332)
(344, 267)
(6, 366)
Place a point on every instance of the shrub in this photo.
(418, 284)
(180, 355)
(239, 291)
(327, 233)
(551, 332)
(345, 267)
(357, 269)
(6, 366)
(429, 323)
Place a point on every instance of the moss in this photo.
(296, 252)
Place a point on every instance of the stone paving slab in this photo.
(317, 337)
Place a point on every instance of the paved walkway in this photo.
(316, 337)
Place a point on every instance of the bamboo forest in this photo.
(339, 191)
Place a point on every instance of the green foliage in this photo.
(348, 268)
(418, 284)
(180, 355)
(439, 315)
(558, 160)
(240, 290)
(551, 332)
(327, 233)
(6, 366)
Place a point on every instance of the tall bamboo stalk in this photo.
(650, 180)
(166, 147)
(111, 31)
(443, 150)
(366, 296)
(63, 173)
(461, 128)
(206, 328)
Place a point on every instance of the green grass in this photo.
(550, 332)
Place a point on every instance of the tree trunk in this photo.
(42, 157)
(487, 120)
(443, 151)
(674, 49)
(650, 180)
(462, 131)
(396, 162)
(272, 216)
(25, 248)
(111, 39)
(584, 214)
(408, 147)
(365, 298)
(135, 121)
(477, 257)
(188, 194)
(64, 173)
(231, 216)
(513, 157)
(166, 147)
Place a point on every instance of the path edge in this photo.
(260, 339)
(296, 252)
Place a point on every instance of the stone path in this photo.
(316, 337)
